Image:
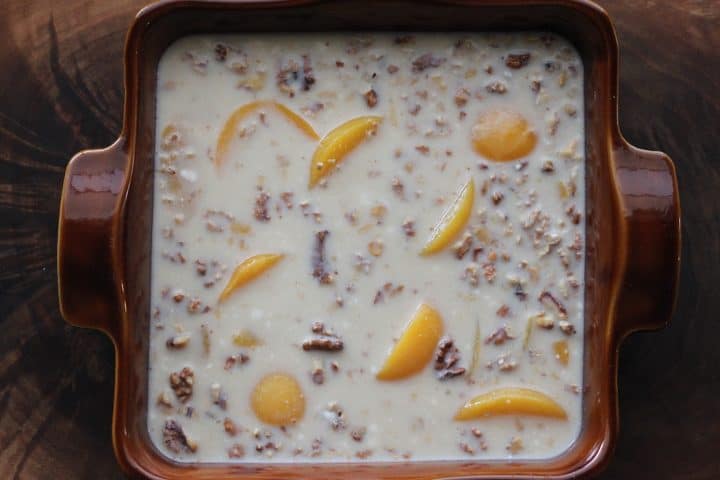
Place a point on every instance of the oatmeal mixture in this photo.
(368, 247)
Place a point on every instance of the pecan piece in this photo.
(261, 207)
(320, 267)
(517, 60)
(182, 383)
(175, 440)
(547, 298)
(446, 358)
(425, 61)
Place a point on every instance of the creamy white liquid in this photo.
(407, 418)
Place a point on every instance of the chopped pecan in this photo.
(463, 246)
(496, 87)
(182, 383)
(287, 198)
(466, 448)
(178, 341)
(499, 336)
(548, 166)
(218, 396)
(308, 77)
(320, 267)
(462, 95)
(547, 298)
(425, 61)
(446, 358)
(236, 451)
(505, 363)
(221, 52)
(325, 343)
(408, 227)
(317, 375)
(362, 454)
(489, 271)
(175, 440)
(497, 197)
(261, 207)
(503, 311)
(517, 60)
(398, 187)
(471, 274)
(358, 434)
(566, 327)
(230, 427)
(371, 98)
(392, 69)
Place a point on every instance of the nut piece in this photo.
(566, 327)
(500, 336)
(230, 427)
(182, 383)
(517, 60)
(175, 439)
(236, 451)
(446, 358)
(324, 339)
(178, 341)
(543, 320)
(371, 98)
(320, 267)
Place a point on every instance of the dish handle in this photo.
(89, 238)
(651, 209)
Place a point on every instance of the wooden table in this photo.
(61, 92)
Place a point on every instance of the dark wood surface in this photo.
(61, 92)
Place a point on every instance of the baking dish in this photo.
(632, 224)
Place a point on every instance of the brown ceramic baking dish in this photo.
(632, 222)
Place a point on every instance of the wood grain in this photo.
(61, 92)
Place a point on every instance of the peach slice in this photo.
(511, 401)
(562, 354)
(416, 345)
(229, 130)
(502, 136)
(452, 221)
(248, 270)
(338, 143)
(278, 400)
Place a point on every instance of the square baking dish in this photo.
(632, 221)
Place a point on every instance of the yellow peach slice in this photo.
(248, 270)
(502, 136)
(453, 220)
(416, 345)
(338, 143)
(511, 401)
(277, 399)
(562, 354)
(229, 130)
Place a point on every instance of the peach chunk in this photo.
(511, 401)
(562, 354)
(503, 136)
(229, 130)
(278, 400)
(248, 270)
(453, 220)
(416, 345)
(338, 143)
